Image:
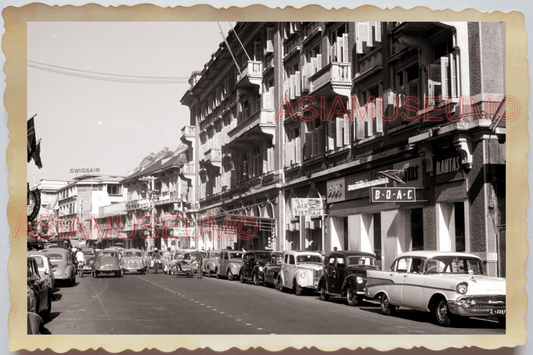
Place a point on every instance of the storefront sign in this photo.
(447, 166)
(307, 207)
(365, 184)
(411, 172)
(393, 194)
(336, 189)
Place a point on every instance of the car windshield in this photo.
(40, 262)
(262, 257)
(235, 255)
(308, 259)
(110, 254)
(88, 252)
(133, 254)
(362, 260)
(55, 257)
(454, 265)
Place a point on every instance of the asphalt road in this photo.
(161, 304)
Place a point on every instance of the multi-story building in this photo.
(78, 204)
(47, 215)
(159, 200)
(311, 129)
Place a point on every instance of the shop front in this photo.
(379, 211)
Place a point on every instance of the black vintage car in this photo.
(344, 275)
(271, 269)
(252, 266)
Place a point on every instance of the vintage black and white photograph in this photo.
(235, 182)
(255, 177)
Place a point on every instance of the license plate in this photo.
(499, 312)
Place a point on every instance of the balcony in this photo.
(334, 79)
(213, 157)
(251, 76)
(259, 126)
(167, 197)
(188, 134)
(187, 171)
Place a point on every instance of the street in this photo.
(161, 304)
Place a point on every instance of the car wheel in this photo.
(241, 277)
(442, 313)
(351, 297)
(386, 308)
(296, 288)
(73, 280)
(216, 274)
(257, 280)
(229, 275)
(322, 290)
(174, 271)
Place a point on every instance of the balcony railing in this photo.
(261, 120)
(251, 74)
(333, 74)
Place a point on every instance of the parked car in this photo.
(211, 261)
(89, 255)
(45, 267)
(252, 265)
(300, 270)
(63, 262)
(229, 264)
(344, 275)
(133, 261)
(448, 284)
(106, 261)
(39, 294)
(271, 269)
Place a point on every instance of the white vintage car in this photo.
(449, 284)
(300, 270)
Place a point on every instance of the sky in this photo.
(85, 117)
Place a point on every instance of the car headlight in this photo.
(360, 279)
(462, 287)
(303, 274)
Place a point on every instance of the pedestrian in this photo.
(199, 259)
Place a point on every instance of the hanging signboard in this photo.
(393, 194)
(307, 207)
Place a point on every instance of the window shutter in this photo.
(444, 76)
(434, 82)
(453, 76)
(289, 151)
(318, 62)
(340, 127)
(271, 95)
(345, 48)
(265, 161)
(270, 40)
(298, 150)
(314, 65)
(369, 31)
(266, 99)
(271, 159)
(346, 130)
(377, 27)
(379, 115)
(360, 125)
(298, 84)
(340, 46)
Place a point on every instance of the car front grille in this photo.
(489, 302)
(316, 276)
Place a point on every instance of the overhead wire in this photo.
(106, 76)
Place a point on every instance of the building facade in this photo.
(312, 128)
(157, 211)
